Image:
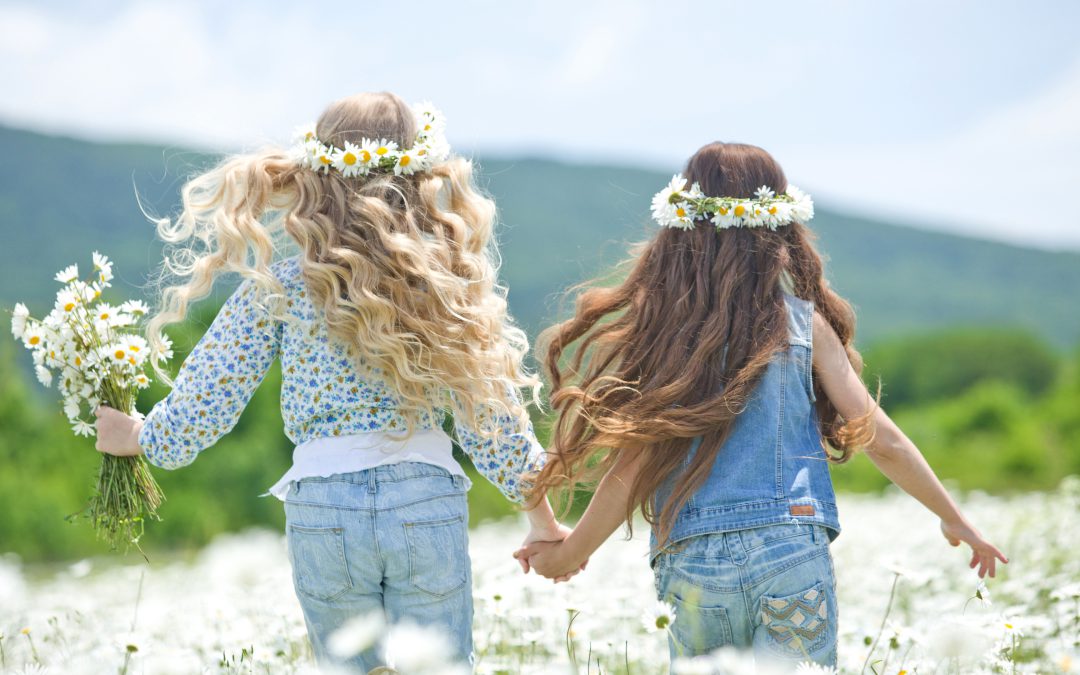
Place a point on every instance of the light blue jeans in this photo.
(391, 539)
(770, 589)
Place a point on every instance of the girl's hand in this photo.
(551, 560)
(551, 532)
(117, 433)
(983, 553)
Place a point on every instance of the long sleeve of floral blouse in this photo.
(215, 382)
(504, 457)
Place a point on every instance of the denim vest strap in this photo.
(773, 467)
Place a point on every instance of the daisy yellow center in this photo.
(324, 159)
(35, 339)
(404, 161)
(427, 127)
(365, 155)
(104, 315)
(740, 211)
(69, 306)
(421, 152)
(131, 360)
(119, 354)
(349, 159)
(662, 622)
(308, 136)
(78, 361)
(680, 212)
(1009, 626)
(772, 210)
(97, 294)
(133, 348)
(724, 210)
(382, 150)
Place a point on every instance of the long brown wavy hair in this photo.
(641, 367)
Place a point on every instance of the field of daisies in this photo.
(908, 604)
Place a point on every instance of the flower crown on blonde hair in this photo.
(675, 206)
(379, 155)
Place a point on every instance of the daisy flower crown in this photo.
(675, 206)
(378, 155)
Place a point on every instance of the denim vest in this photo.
(772, 468)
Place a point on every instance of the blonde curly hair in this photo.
(403, 267)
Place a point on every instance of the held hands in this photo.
(983, 553)
(117, 433)
(539, 552)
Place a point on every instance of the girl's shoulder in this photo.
(800, 315)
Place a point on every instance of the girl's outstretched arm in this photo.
(606, 511)
(891, 451)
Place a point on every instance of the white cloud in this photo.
(1012, 175)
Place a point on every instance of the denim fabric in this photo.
(772, 468)
(390, 539)
(770, 589)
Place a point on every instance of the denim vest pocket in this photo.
(438, 555)
(320, 570)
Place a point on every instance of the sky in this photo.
(960, 115)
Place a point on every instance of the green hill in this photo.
(61, 197)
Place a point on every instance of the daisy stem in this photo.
(888, 608)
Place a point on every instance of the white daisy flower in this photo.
(115, 353)
(18, 320)
(764, 192)
(103, 268)
(71, 408)
(347, 160)
(67, 301)
(305, 133)
(741, 211)
(164, 352)
(724, 216)
(68, 274)
(663, 210)
(33, 336)
(659, 616)
(135, 308)
(406, 163)
(44, 375)
(321, 159)
(384, 149)
(684, 215)
(803, 207)
(142, 381)
(136, 347)
(82, 428)
(356, 635)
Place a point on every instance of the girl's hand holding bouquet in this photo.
(97, 358)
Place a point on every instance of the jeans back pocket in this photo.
(797, 624)
(318, 560)
(438, 555)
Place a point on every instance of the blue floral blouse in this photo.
(324, 391)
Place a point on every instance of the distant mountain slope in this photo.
(560, 224)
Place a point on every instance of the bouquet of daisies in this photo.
(91, 349)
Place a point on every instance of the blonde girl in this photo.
(713, 388)
(389, 316)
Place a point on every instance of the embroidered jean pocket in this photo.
(796, 624)
(438, 555)
(320, 570)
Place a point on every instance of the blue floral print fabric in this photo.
(324, 391)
